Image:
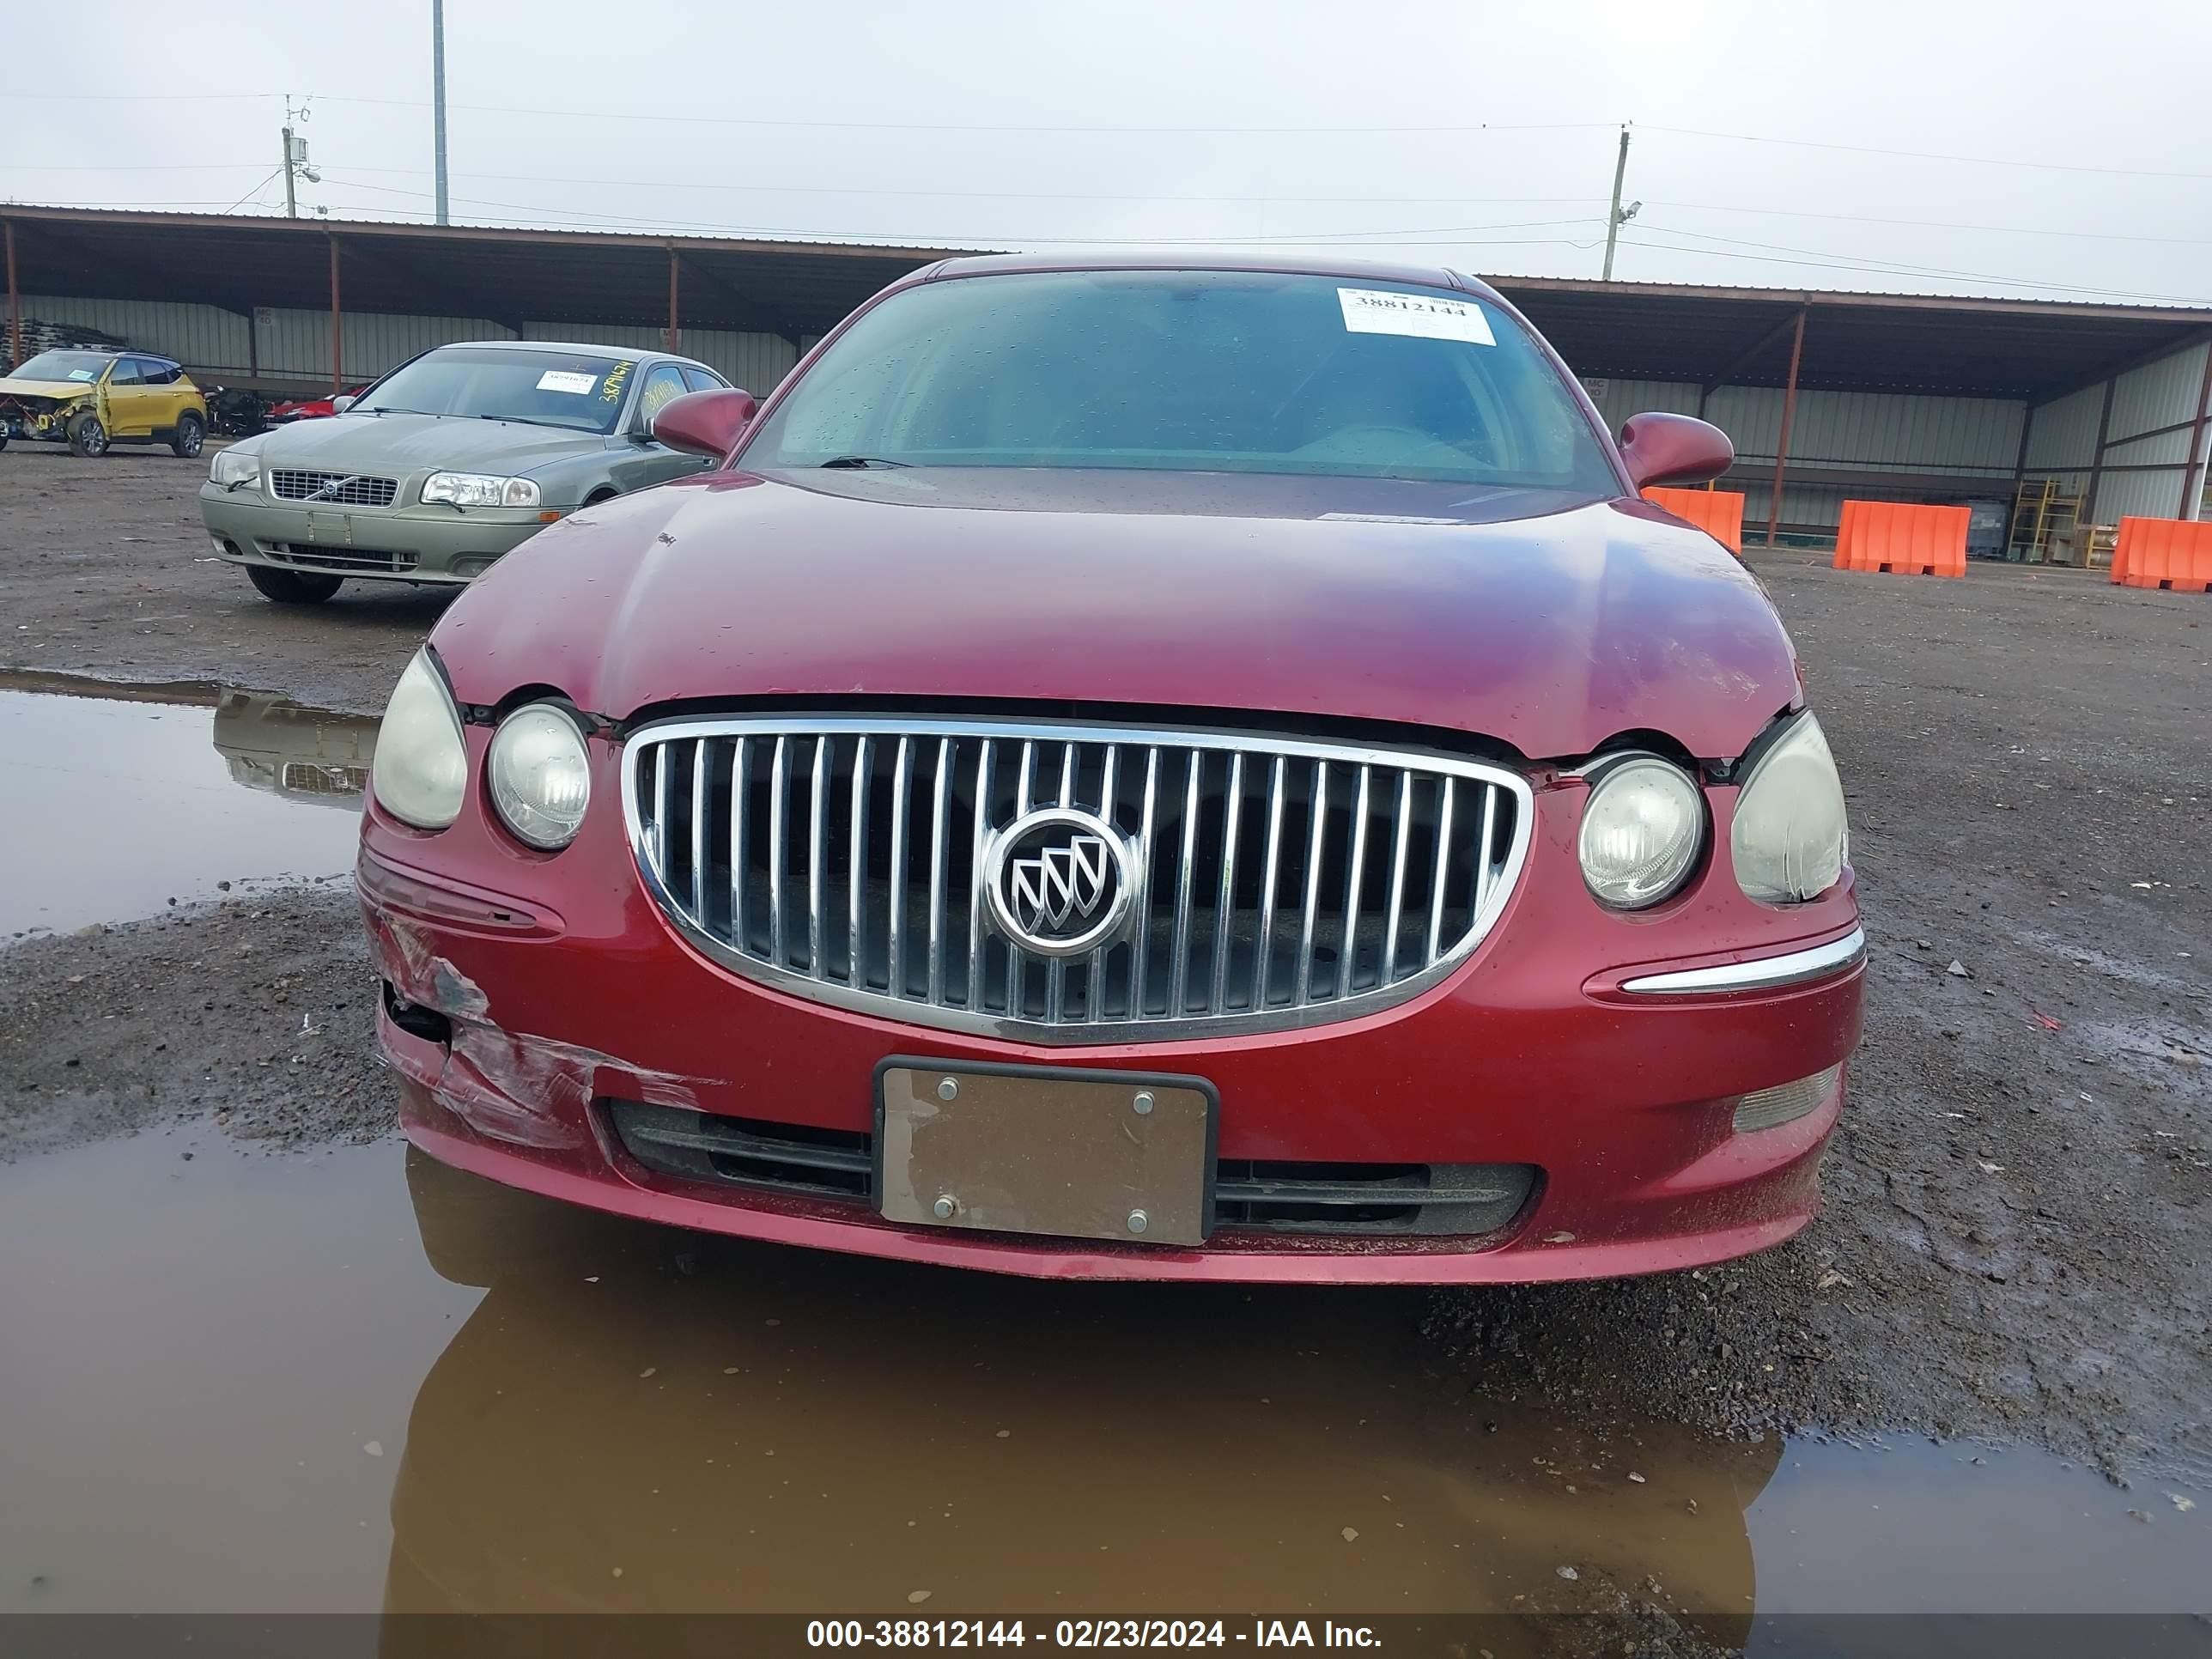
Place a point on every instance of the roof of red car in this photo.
(1186, 258)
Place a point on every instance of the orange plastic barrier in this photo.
(1906, 539)
(1718, 512)
(2173, 553)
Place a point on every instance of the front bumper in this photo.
(565, 990)
(416, 543)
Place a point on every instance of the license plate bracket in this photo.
(1059, 1152)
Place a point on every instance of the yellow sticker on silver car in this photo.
(1426, 317)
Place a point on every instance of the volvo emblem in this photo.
(1058, 880)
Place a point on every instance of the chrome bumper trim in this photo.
(1759, 974)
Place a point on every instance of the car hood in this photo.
(1551, 632)
(362, 443)
(11, 387)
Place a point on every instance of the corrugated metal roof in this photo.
(798, 288)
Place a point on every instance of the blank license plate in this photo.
(1073, 1154)
(330, 529)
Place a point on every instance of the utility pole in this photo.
(295, 157)
(438, 99)
(1618, 215)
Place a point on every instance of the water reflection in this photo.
(118, 806)
(233, 1382)
(314, 755)
(641, 1420)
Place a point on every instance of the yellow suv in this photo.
(91, 400)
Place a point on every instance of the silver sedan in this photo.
(445, 465)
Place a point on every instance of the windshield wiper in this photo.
(526, 420)
(856, 462)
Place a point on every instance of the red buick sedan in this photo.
(1133, 768)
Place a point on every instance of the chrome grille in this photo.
(309, 778)
(1278, 881)
(338, 489)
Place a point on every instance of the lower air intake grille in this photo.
(782, 1158)
(1423, 1200)
(1416, 1200)
(309, 556)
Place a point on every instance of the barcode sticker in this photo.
(1427, 316)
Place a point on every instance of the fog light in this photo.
(1785, 1103)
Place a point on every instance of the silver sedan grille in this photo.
(1277, 882)
(336, 489)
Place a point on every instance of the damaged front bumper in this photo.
(536, 1005)
(38, 419)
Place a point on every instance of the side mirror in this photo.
(705, 423)
(340, 404)
(1674, 449)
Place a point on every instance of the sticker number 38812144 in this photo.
(1427, 316)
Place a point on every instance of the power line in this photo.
(256, 191)
(137, 97)
(1929, 156)
(1126, 131)
(1132, 130)
(128, 166)
(1269, 199)
(142, 204)
(1939, 224)
(1390, 237)
(1819, 260)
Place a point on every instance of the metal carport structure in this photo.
(2051, 378)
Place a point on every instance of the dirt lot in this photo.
(2018, 1200)
(107, 571)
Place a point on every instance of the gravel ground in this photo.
(2017, 1201)
(107, 571)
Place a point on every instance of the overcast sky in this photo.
(2057, 149)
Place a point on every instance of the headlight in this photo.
(420, 768)
(1791, 834)
(1642, 828)
(541, 778)
(479, 489)
(230, 469)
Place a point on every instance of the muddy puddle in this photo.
(355, 1381)
(137, 797)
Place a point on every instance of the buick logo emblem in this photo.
(1059, 881)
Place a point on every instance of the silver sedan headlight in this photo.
(1642, 827)
(1791, 836)
(230, 469)
(479, 489)
(421, 769)
(540, 775)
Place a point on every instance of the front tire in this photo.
(190, 434)
(292, 586)
(87, 436)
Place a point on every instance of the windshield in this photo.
(545, 388)
(83, 367)
(1190, 371)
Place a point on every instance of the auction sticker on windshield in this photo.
(1378, 311)
(566, 379)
